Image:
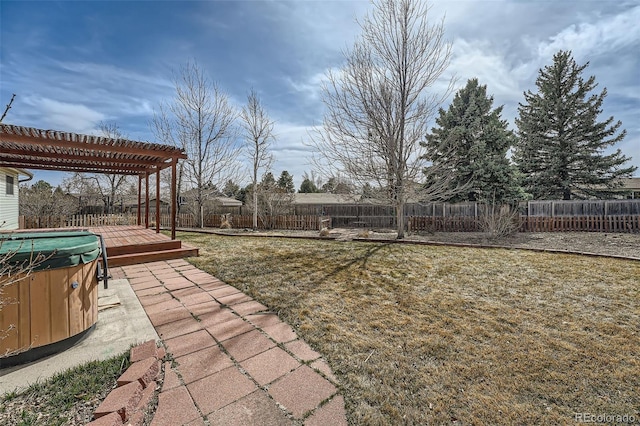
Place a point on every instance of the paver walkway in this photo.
(235, 363)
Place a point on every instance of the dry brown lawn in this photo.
(433, 335)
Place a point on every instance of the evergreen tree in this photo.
(367, 191)
(268, 181)
(307, 186)
(561, 142)
(231, 189)
(470, 143)
(244, 193)
(285, 181)
(337, 185)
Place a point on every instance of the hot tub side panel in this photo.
(49, 307)
(14, 316)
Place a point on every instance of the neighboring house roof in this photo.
(325, 198)
(212, 195)
(227, 202)
(630, 184)
(152, 201)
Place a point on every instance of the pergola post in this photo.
(146, 197)
(174, 196)
(139, 200)
(158, 200)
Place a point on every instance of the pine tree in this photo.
(337, 185)
(285, 181)
(470, 143)
(268, 181)
(231, 189)
(307, 187)
(561, 142)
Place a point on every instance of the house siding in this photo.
(9, 206)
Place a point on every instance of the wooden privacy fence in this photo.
(76, 221)
(582, 208)
(530, 224)
(290, 222)
(535, 216)
(443, 224)
(581, 223)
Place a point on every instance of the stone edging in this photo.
(129, 402)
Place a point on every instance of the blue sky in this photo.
(74, 64)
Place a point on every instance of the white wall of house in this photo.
(9, 205)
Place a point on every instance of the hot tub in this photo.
(57, 303)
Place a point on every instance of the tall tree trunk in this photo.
(255, 206)
(400, 218)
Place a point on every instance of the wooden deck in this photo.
(129, 245)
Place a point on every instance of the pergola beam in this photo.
(81, 157)
(88, 143)
(79, 167)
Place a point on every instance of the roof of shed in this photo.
(31, 148)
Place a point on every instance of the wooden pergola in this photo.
(30, 148)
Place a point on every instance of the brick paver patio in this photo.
(235, 363)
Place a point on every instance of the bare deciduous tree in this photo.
(41, 199)
(199, 120)
(258, 129)
(378, 106)
(273, 200)
(7, 108)
(107, 185)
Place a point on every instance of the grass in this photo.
(420, 334)
(67, 398)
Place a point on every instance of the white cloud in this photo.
(64, 116)
(311, 87)
(606, 35)
(483, 60)
(322, 26)
(290, 150)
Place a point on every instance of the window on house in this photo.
(9, 185)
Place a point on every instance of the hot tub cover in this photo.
(61, 248)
